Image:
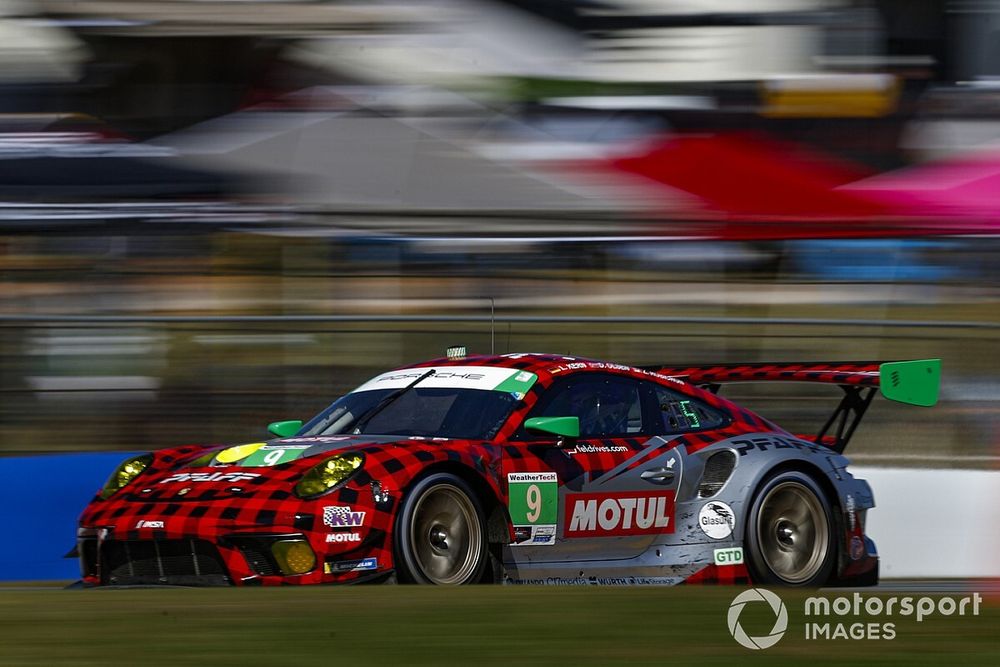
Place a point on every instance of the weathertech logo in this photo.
(625, 513)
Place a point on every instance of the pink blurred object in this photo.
(753, 187)
(966, 189)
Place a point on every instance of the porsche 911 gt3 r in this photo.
(520, 468)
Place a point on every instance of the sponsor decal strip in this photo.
(616, 514)
(510, 380)
(342, 537)
(342, 516)
(730, 556)
(273, 455)
(533, 502)
(350, 565)
(210, 477)
(717, 520)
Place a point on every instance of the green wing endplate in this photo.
(913, 382)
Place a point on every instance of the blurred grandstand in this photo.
(639, 180)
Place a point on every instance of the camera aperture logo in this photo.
(857, 617)
(780, 618)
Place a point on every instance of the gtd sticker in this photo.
(717, 520)
(533, 501)
(731, 556)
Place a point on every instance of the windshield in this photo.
(443, 412)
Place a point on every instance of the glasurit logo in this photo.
(717, 520)
(871, 617)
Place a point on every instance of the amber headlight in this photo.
(323, 477)
(294, 556)
(125, 473)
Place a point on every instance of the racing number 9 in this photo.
(272, 458)
(534, 500)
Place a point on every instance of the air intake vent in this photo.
(718, 468)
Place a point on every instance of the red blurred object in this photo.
(744, 177)
(751, 187)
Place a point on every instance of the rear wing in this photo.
(915, 382)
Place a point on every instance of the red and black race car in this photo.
(520, 468)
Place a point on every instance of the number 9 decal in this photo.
(272, 458)
(534, 501)
(533, 498)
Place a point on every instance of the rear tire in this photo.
(790, 532)
(441, 533)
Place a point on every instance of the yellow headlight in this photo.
(323, 477)
(124, 474)
(294, 556)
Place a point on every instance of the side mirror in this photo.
(285, 429)
(563, 427)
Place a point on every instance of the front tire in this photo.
(441, 533)
(790, 532)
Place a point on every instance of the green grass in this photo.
(428, 626)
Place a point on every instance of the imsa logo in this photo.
(624, 513)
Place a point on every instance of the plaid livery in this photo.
(222, 512)
(720, 575)
(862, 373)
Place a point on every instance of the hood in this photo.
(247, 470)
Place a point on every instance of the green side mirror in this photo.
(285, 429)
(565, 427)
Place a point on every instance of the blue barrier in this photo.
(41, 498)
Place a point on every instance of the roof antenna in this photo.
(493, 327)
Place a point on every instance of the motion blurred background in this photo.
(216, 214)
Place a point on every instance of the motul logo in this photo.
(343, 537)
(625, 513)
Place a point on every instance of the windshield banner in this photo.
(509, 380)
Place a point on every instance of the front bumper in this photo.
(122, 542)
(108, 558)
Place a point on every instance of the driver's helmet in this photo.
(602, 410)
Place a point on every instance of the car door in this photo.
(605, 495)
